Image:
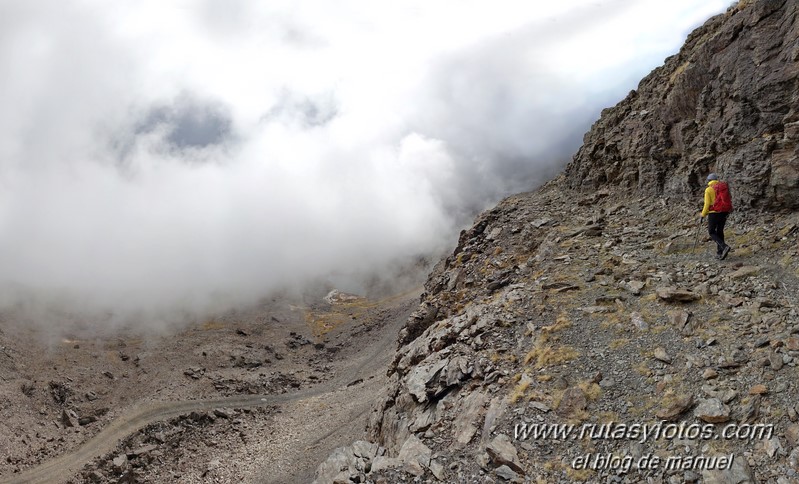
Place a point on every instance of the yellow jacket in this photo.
(710, 198)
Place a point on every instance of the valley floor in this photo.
(259, 395)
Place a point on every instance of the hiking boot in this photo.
(724, 252)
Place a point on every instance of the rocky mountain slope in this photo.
(728, 101)
(590, 302)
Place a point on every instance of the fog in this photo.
(164, 160)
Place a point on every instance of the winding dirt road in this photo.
(368, 362)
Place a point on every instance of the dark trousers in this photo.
(715, 226)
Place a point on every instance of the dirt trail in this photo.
(334, 417)
(304, 434)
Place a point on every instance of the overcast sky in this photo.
(180, 155)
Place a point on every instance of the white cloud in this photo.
(163, 157)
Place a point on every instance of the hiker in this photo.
(718, 205)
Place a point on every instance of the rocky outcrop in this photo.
(727, 102)
(561, 307)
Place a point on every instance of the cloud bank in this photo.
(159, 158)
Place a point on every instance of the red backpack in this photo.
(723, 201)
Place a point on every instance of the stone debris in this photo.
(712, 410)
(465, 426)
(671, 294)
(635, 287)
(776, 361)
(120, 462)
(572, 402)
(739, 473)
(69, 418)
(415, 456)
(508, 474)
(792, 435)
(355, 463)
(660, 354)
(194, 373)
(296, 341)
(639, 322)
(744, 272)
(598, 309)
(86, 420)
(502, 452)
(675, 407)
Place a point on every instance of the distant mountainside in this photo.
(596, 299)
(727, 102)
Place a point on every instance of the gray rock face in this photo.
(415, 456)
(503, 453)
(353, 461)
(727, 102)
(463, 429)
(506, 473)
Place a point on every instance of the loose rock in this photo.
(712, 410)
